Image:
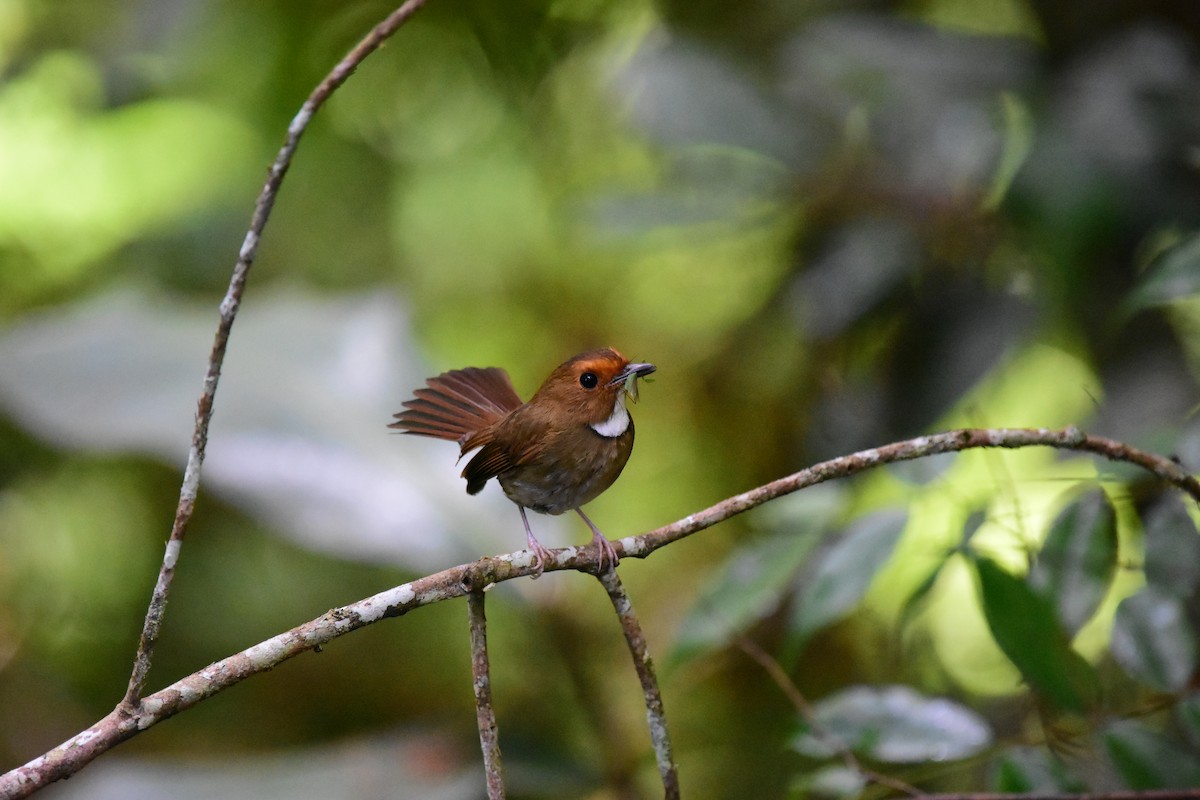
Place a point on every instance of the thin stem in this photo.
(784, 681)
(655, 715)
(489, 736)
(228, 312)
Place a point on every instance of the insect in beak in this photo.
(629, 377)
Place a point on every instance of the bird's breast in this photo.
(572, 470)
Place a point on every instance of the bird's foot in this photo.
(541, 556)
(607, 553)
(540, 553)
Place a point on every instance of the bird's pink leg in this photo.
(541, 554)
(607, 551)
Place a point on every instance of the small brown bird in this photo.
(555, 453)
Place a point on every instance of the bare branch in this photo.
(655, 715)
(228, 312)
(489, 737)
(125, 722)
(1069, 438)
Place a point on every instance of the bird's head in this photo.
(590, 388)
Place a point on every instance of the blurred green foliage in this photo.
(830, 225)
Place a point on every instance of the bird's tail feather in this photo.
(459, 404)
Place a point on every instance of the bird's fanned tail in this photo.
(459, 404)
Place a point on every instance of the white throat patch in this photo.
(617, 422)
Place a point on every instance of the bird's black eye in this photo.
(588, 380)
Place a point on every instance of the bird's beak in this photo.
(629, 376)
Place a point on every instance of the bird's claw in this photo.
(541, 556)
(607, 553)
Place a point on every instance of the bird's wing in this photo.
(522, 439)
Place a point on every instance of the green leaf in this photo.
(916, 601)
(1026, 628)
(1026, 770)
(972, 526)
(1018, 141)
(752, 586)
(895, 724)
(1173, 275)
(1078, 560)
(1152, 639)
(1172, 548)
(843, 575)
(1187, 716)
(1149, 760)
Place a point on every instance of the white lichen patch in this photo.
(172, 554)
(269, 652)
(523, 558)
(431, 597)
(373, 608)
(248, 246)
(869, 456)
(85, 737)
(151, 709)
(188, 693)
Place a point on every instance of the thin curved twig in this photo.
(124, 723)
(485, 715)
(228, 312)
(799, 702)
(644, 666)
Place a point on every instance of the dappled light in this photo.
(829, 228)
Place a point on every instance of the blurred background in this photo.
(830, 224)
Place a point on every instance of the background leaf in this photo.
(751, 586)
(1026, 628)
(835, 780)
(895, 724)
(1174, 275)
(1148, 760)
(1153, 639)
(1187, 715)
(1031, 769)
(1078, 559)
(313, 458)
(1172, 547)
(843, 574)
